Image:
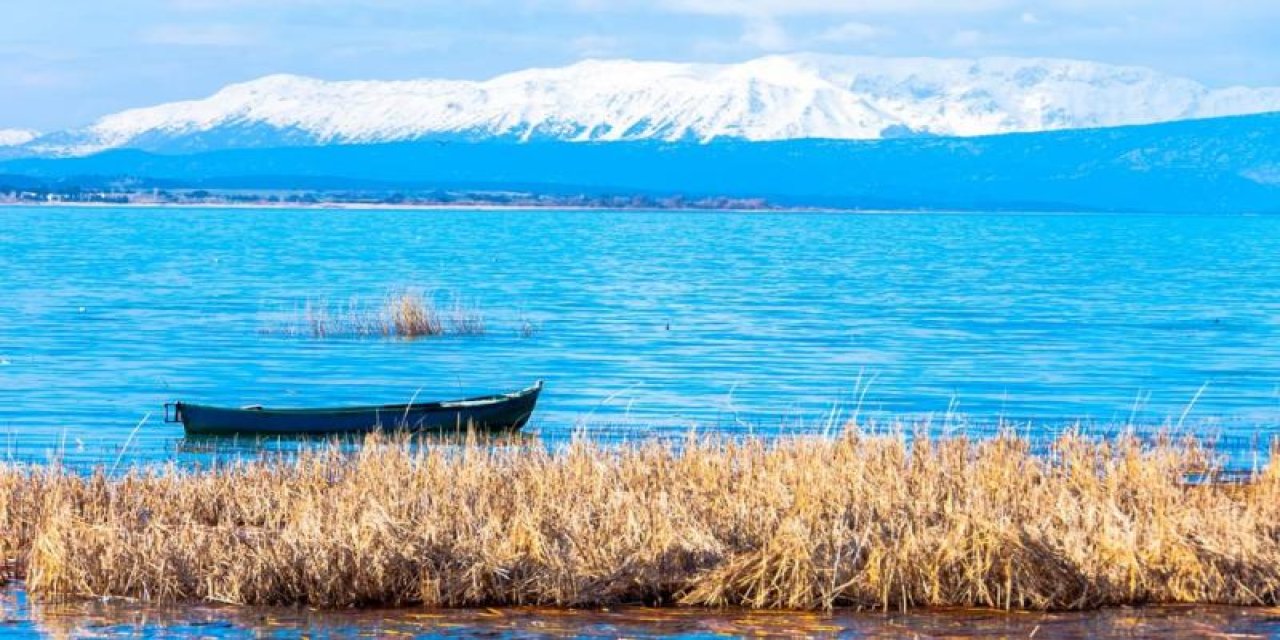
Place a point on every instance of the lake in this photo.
(642, 323)
(102, 619)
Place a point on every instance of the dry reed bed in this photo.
(857, 520)
(404, 314)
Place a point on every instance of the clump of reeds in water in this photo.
(528, 327)
(881, 522)
(409, 316)
(405, 314)
(465, 320)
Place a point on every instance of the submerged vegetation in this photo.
(869, 521)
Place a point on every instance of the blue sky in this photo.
(65, 62)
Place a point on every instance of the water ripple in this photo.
(648, 320)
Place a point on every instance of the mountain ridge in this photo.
(1221, 165)
(778, 97)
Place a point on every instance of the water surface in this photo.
(647, 321)
(101, 619)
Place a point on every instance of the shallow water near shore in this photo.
(96, 618)
(646, 322)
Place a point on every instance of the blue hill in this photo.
(1216, 165)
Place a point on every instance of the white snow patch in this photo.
(15, 137)
(770, 98)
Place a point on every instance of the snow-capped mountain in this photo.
(770, 98)
(1216, 165)
(15, 137)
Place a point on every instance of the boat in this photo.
(499, 413)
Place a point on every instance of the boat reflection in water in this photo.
(237, 446)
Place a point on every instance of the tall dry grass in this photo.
(403, 314)
(857, 520)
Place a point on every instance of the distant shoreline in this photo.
(477, 206)
(375, 206)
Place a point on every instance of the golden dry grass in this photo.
(403, 314)
(856, 520)
(410, 316)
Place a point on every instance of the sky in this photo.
(63, 63)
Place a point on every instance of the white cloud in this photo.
(853, 31)
(1029, 18)
(41, 79)
(390, 42)
(831, 7)
(967, 38)
(765, 33)
(220, 5)
(594, 46)
(205, 35)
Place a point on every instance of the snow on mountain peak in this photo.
(15, 137)
(768, 98)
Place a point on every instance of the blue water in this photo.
(647, 322)
(20, 617)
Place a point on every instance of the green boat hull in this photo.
(486, 414)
